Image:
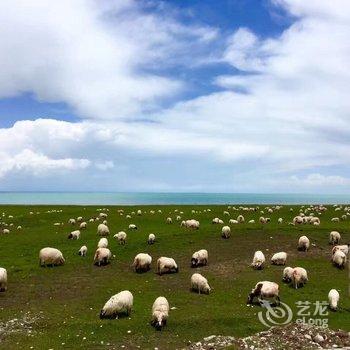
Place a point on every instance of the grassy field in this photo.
(65, 301)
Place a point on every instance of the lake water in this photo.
(109, 198)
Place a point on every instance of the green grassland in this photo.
(68, 298)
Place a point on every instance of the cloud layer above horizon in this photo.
(273, 115)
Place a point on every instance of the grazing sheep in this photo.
(166, 265)
(83, 225)
(19, 228)
(333, 298)
(102, 243)
(169, 220)
(279, 258)
(151, 238)
(103, 216)
(264, 290)
(287, 274)
(132, 227)
(226, 232)
(339, 259)
(160, 313)
(6, 231)
(298, 220)
(121, 237)
(82, 251)
(215, 221)
(334, 237)
(3, 279)
(344, 248)
(79, 218)
(71, 221)
(102, 230)
(102, 256)
(118, 304)
(74, 235)
(50, 256)
(199, 258)
(251, 221)
(299, 277)
(280, 220)
(240, 219)
(303, 244)
(262, 220)
(142, 262)
(200, 284)
(139, 212)
(178, 218)
(232, 221)
(192, 224)
(335, 220)
(258, 260)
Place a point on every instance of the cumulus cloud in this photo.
(282, 113)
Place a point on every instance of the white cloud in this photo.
(285, 113)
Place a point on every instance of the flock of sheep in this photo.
(122, 303)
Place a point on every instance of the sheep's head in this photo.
(194, 262)
(251, 296)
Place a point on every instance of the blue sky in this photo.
(209, 96)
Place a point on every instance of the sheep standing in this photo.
(258, 260)
(279, 258)
(142, 262)
(118, 304)
(344, 248)
(160, 312)
(102, 230)
(339, 259)
(83, 225)
(166, 265)
(303, 244)
(287, 274)
(226, 232)
(264, 290)
(199, 258)
(200, 284)
(240, 219)
(82, 251)
(74, 235)
(102, 256)
(299, 277)
(151, 238)
(50, 256)
(3, 279)
(169, 220)
(334, 237)
(192, 224)
(121, 237)
(132, 227)
(102, 243)
(333, 298)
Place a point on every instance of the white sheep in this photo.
(279, 258)
(335, 220)
(303, 243)
(334, 237)
(339, 259)
(262, 220)
(82, 251)
(287, 274)
(118, 304)
(215, 221)
(3, 279)
(103, 216)
(258, 260)
(251, 221)
(6, 231)
(142, 262)
(344, 248)
(102, 256)
(83, 225)
(102, 243)
(226, 232)
(299, 277)
(192, 224)
(264, 290)
(298, 220)
(102, 230)
(280, 220)
(200, 284)
(50, 256)
(240, 219)
(232, 221)
(139, 212)
(333, 298)
(151, 238)
(121, 237)
(199, 258)
(19, 228)
(166, 265)
(160, 312)
(132, 227)
(71, 221)
(169, 220)
(79, 218)
(74, 235)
